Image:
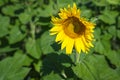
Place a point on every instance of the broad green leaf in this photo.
(108, 16)
(86, 13)
(107, 36)
(4, 24)
(118, 34)
(99, 47)
(102, 46)
(33, 48)
(114, 57)
(15, 35)
(114, 2)
(118, 20)
(82, 1)
(64, 3)
(19, 76)
(10, 9)
(52, 76)
(7, 49)
(65, 60)
(2, 2)
(37, 66)
(56, 63)
(94, 67)
(97, 33)
(11, 68)
(46, 43)
(85, 71)
(27, 60)
(99, 2)
(14, 1)
(46, 10)
(24, 17)
(103, 70)
(112, 30)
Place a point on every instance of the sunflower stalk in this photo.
(77, 57)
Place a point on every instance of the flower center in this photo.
(73, 27)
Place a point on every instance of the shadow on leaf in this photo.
(58, 63)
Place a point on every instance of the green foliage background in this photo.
(28, 52)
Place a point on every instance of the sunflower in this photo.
(72, 31)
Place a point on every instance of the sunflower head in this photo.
(72, 31)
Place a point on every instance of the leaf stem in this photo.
(63, 74)
(32, 26)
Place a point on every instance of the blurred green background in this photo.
(28, 52)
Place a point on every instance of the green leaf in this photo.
(46, 10)
(82, 1)
(99, 2)
(86, 13)
(52, 76)
(118, 20)
(15, 35)
(97, 33)
(114, 57)
(94, 67)
(46, 42)
(6, 49)
(24, 17)
(118, 34)
(27, 60)
(64, 3)
(10, 9)
(37, 66)
(33, 48)
(1, 2)
(112, 30)
(114, 2)
(108, 16)
(12, 68)
(103, 70)
(84, 72)
(107, 36)
(4, 24)
(19, 76)
(99, 47)
(102, 46)
(14, 1)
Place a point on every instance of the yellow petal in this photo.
(82, 45)
(84, 41)
(69, 46)
(91, 44)
(65, 41)
(74, 9)
(56, 29)
(53, 33)
(78, 45)
(74, 6)
(60, 36)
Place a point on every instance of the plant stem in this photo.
(32, 30)
(77, 57)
